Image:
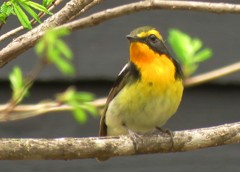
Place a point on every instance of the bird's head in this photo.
(147, 46)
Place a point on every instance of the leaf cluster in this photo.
(189, 51)
(22, 9)
(51, 48)
(80, 102)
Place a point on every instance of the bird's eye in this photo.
(152, 38)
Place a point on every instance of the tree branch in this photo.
(31, 110)
(26, 41)
(79, 148)
(108, 14)
(205, 77)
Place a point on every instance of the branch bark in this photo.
(108, 14)
(82, 148)
(26, 41)
(205, 77)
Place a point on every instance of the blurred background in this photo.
(100, 52)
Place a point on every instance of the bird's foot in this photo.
(169, 132)
(136, 138)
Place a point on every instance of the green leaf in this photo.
(64, 49)
(84, 96)
(65, 67)
(196, 45)
(188, 50)
(189, 69)
(20, 90)
(16, 78)
(90, 108)
(69, 95)
(38, 7)
(78, 112)
(62, 32)
(6, 8)
(79, 115)
(178, 40)
(53, 55)
(79, 101)
(47, 3)
(31, 12)
(40, 47)
(56, 51)
(22, 17)
(203, 55)
(3, 18)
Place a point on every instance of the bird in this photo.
(147, 91)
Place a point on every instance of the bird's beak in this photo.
(131, 38)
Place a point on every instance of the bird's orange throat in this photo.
(141, 53)
(155, 67)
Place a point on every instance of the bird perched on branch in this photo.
(147, 91)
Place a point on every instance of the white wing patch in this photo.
(123, 69)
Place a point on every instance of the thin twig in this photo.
(20, 28)
(26, 111)
(28, 81)
(218, 73)
(108, 14)
(94, 147)
(26, 41)
(21, 112)
(90, 5)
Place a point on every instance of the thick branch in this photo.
(108, 14)
(26, 41)
(79, 148)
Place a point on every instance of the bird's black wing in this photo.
(128, 74)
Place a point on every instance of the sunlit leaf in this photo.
(6, 8)
(203, 55)
(65, 50)
(46, 3)
(38, 7)
(89, 108)
(16, 78)
(3, 18)
(188, 50)
(178, 40)
(78, 112)
(189, 69)
(22, 17)
(20, 90)
(40, 46)
(79, 115)
(65, 67)
(79, 101)
(196, 45)
(84, 96)
(51, 47)
(31, 12)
